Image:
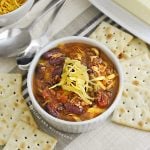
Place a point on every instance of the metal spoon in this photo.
(13, 41)
(25, 59)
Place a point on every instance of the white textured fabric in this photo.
(7, 64)
(110, 136)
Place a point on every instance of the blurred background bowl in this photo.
(15, 15)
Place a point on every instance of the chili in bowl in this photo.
(75, 83)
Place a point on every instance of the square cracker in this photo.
(141, 60)
(13, 109)
(112, 37)
(27, 117)
(137, 75)
(137, 70)
(135, 48)
(26, 137)
(134, 108)
(10, 84)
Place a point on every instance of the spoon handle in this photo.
(25, 59)
(37, 14)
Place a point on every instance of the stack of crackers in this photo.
(18, 130)
(134, 107)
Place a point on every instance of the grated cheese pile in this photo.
(7, 6)
(76, 79)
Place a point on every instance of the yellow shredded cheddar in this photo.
(95, 110)
(75, 79)
(7, 6)
(75, 117)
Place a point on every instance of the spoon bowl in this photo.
(20, 37)
(17, 42)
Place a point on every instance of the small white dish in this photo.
(17, 14)
(124, 18)
(68, 126)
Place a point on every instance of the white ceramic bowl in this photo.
(17, 14)
(68, 126)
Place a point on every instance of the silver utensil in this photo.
(11, 40)
(25, 59)
(14, 40)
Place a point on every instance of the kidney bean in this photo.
(54, 56)
(52, 109)
(57, 60)
(74, 109)
(57, 71)
(49, 54)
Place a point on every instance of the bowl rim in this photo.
(72, 39)
(27, 2)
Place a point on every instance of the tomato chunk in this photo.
(103, 99)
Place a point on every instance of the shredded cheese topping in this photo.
(7, 6)
(75, 78)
